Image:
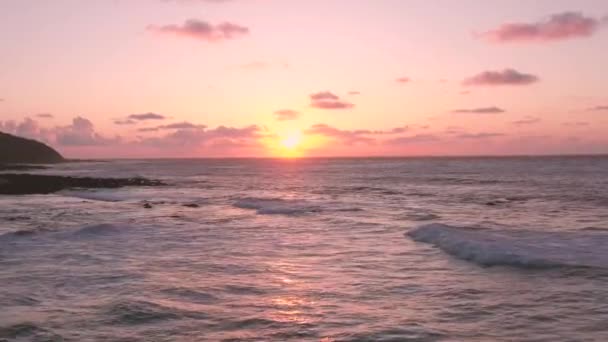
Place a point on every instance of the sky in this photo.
(295, 78)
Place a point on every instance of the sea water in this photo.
(376, 249)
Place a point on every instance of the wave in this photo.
(28, 331)
(276, 206)
(23, 233)
(421, 216)
(100, 229)
(518, 248)
(337, 190)
(135, 312)
(97, 195)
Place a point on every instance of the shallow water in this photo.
(314, 249)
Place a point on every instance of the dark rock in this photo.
(19, 167)
(25, 184)
(192, 205)
(147, 205)
(17, 150)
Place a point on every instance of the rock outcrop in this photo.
(17, 150)
(26, 184)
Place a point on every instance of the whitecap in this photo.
(518, 248)
(276, 206)
(98, 195)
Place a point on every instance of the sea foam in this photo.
(98, 195)
(519, 248)
(276, 206)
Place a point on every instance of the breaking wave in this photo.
(97, 195)
(276, 206)
(527, 249)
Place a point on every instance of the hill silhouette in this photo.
(18, 150)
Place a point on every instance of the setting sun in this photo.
(291, 141)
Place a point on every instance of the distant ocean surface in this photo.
(377, 249)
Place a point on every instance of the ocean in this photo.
(342, 249)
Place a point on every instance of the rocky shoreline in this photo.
(29, 184)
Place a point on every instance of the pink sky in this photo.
(209, 78)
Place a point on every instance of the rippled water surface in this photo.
(469, 249)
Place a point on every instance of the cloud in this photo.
(146, 116)
(414, 139)
(125, 122)
(575, 124)
(220, 136)
(324, 95)
(480, 135)
(396, 130)
(529, 120)
(403, 80)
(345, 136)
(81, 133)
(202, 30)
(352, 137)
(286, 114)
(332, 105)
(480, 110)
(177, 125)
(561, 26)
(599, 108)
(497, 78)
(45, 115)
(354, 92)
(328, 100)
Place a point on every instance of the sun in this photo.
(289, 145)
(292, 141)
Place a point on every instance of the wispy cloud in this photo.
(480, 135)
(529, 120)
(324, 95)
(125, 122)
(353, 137)
(202, 30)
(480, 110)
(221, 136)
(575, 124)
(286, 114)
(599, 108)
(414, 139)
(498, 78)
(354, 92)
(560, 26)
(403, 80)
(345, 136)
(44, 115)
(177, 125)
(147, 116)
(328, 100)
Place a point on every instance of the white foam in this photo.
(276, 206)
(516, 247)
(98, 195)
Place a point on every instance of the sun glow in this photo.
(291, 141)
(289, 144)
